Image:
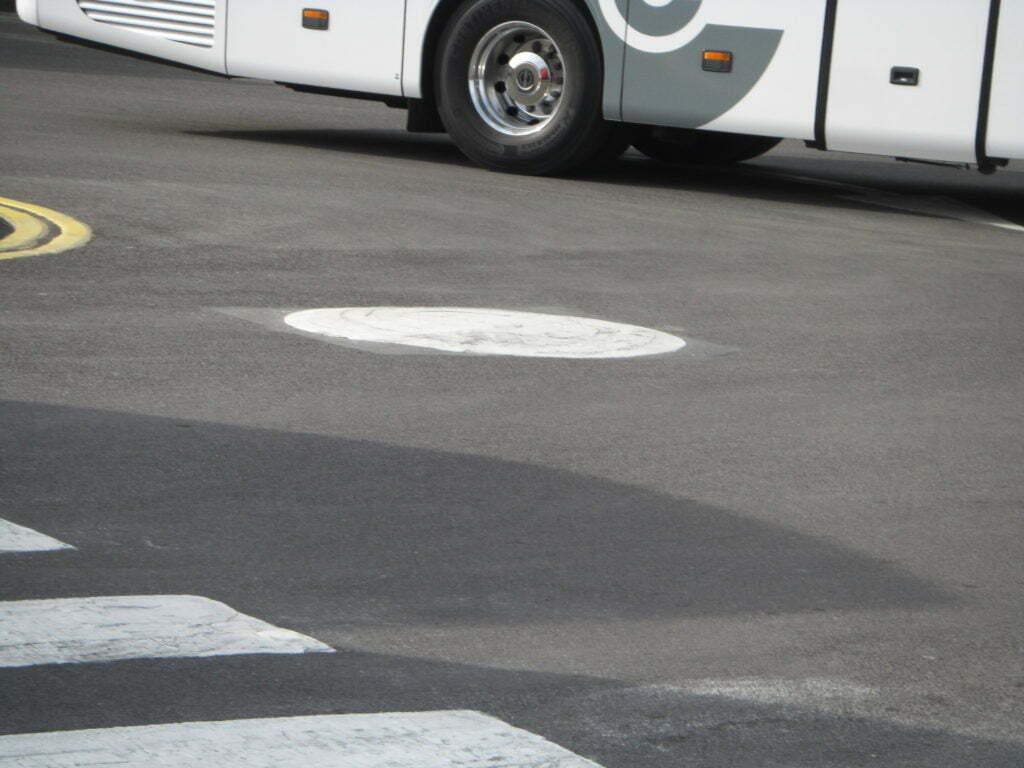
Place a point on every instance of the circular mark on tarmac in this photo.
(31, 230)
(486, 331)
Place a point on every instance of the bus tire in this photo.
(533, 102)
(677, 146)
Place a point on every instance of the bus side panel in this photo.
(938, 45)
(360, 49)
(771, 89)
(420, 12)
(191, 33)
(1006, 116)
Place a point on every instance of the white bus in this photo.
(543, 86)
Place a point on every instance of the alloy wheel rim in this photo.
(517, 79)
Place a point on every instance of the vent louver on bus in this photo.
(184, 21)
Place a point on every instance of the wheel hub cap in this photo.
(532, 77)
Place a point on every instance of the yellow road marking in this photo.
(29, 231)
(32, 224)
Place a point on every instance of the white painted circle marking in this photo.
(651, 43)
(487, 331)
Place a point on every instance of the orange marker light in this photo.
(717, 61)
(315, 18)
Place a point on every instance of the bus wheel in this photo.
(678, 146)
(519, 85)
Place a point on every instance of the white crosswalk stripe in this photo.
(449, 739)
(90, 629)
(18, 538)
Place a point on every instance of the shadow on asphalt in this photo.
(310, 531)
(389, 143)
(296, 527)
(769, 178)
(616, 725)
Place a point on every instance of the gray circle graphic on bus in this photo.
(658, 17)
(669, 20)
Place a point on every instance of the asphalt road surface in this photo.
(796, 542)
